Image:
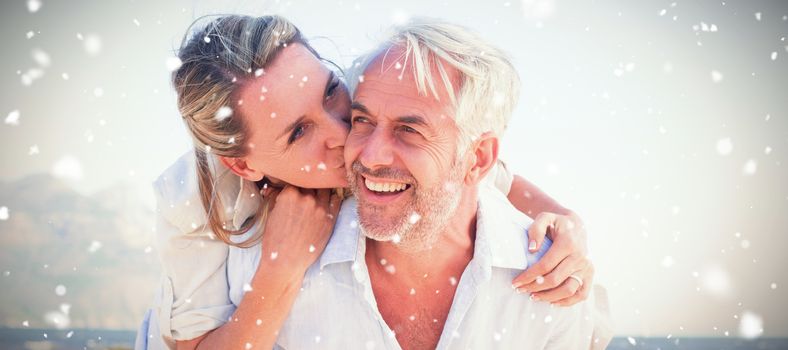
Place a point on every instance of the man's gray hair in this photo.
(489, 84)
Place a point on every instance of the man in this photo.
(423, 258)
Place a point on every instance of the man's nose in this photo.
(377, 151)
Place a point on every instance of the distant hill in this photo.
(97, 247)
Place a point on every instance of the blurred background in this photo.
(663, 123)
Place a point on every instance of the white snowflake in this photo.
(667, 261)
(223, 113)
(750, 325)
(94, 246)
(399, 17)
(716, 281)
(749, 167)
(41, 57)
(4, 213)
(91, 43)
(30, 76)
(33, 5)
(67, 167)
(173, 63)
(414, 218)
(716, 76)
(13, 117)
(60, 290)
(724, 146)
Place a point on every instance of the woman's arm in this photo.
(530, 200)
(260, 314)
(548, 279)
(297, 230)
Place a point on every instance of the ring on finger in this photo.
(578, 279)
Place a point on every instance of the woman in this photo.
(269, 122)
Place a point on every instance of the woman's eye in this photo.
(296, 134)
(332, 89)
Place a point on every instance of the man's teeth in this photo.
(384, 186)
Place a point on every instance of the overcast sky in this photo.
(664, 124)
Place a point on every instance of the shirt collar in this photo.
(505, 231)
(246, 201)
(345, 241)
(499, 225)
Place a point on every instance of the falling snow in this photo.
(60, 290)
(716, 76)
(67, 167)
(750, 325)
(749, 167)
(94, 246)
(724, 146)
(33, 5)
(223, 113)
(172, 63)
(13, 117)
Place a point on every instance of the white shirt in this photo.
(194, 295)
(336, 308)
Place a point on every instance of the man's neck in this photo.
(452, 249)
(414, 289)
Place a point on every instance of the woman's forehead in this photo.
(291, 86)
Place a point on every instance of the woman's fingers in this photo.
(567, 289)
(582, 293)
(538, 230)
(548, 262)
(556, 277)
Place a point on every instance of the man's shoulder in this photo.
(507, 231)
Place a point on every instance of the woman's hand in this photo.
(298, 226)
(549, 279)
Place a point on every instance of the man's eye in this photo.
(409, 129)
(359, 119)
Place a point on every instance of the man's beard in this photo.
(427, 212)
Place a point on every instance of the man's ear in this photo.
(483, 157)
(239, 167)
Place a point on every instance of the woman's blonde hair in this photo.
(217, 60)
